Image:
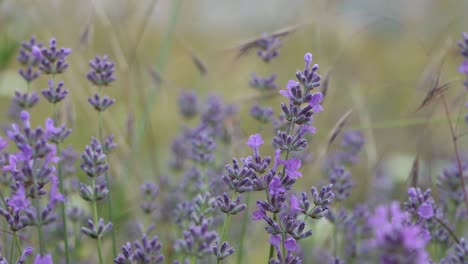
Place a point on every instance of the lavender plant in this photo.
(199, 211)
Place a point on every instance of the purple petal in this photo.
(46, 259)
(276, 186)
(258, 215)
(255, 141)
(290, 244)
(463, 67)
(275, 240)
(426, 211)
(294, 204)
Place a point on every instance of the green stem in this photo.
(272, 248)
(106, 175)
(77, 241)
(225, 227)
(224, 231)
(245, 219)
(457, 153)
(161, 63)
(5, 237)
(42, 248)
(335, 240)
(95, 218)
(17, 242)
(111, 218)
(62, 191)
(12, 247)
(283, 239)
(63, 208)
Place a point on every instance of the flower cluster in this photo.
(200, 207)
(395, 239)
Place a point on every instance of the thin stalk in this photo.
(160, 65)
(106, 175)
(290, 129)
(40, 236)
(335, 241)
(95, 218)
(448, 229)
(225, 228)
(460, 110)
(17, 242)
(245, 219)
(272, 248)
(94, 202)
(283, 239)
(455, 147)
(12, 247)
(62, 191)
(63, 208)
(42, 248)
(5, 236)
(77, 241)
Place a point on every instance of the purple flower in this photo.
(54, 94)
(50, 129)
(307, 129)
(289, 86)
(263, 83)
(315, 101)
(25, 117)
(268, 47)
(45, 259)
(276, 187)
(53, 58)
(55, 196)
(36, 52)
(26, 252)
(19, 200)
(426, 211)
(463, 67)
(12, 164)
(29, 52)
(255, 141)
(294, 204)
(275, 240)
(292, 166)
(101, 103)
(188, 104)
(290, 244)
(261, 114)
(258, 215)
(26, 153)
(277, 161)
(102, 71)
(308, 60)
(395, 239)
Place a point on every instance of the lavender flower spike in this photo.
(101, 72)
(396, 241)
(54, 94)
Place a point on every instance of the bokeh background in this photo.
(382, 58)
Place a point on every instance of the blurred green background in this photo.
(382, 57)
